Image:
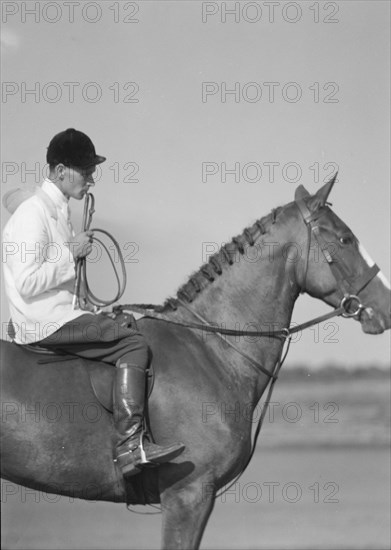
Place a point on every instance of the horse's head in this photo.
(335, 267)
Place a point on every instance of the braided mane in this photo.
(220, 261)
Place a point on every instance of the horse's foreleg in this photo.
(185, 514)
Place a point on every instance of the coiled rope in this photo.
(83, 295)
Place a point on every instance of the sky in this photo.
(179, 95)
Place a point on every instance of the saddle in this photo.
(101, 374)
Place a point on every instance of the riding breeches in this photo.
(99, 337)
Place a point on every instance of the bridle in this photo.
(348, 300)
(350, 291)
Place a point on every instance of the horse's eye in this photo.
(346, 240)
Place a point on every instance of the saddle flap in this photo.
(101, 378)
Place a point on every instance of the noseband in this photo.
(349, 289)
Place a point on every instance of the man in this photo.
(41, 253)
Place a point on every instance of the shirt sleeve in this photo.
(36, 263)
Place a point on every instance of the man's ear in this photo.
(59, 171)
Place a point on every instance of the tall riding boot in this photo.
(129, 397)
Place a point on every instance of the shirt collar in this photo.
(55, 194)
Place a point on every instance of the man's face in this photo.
(77, 181)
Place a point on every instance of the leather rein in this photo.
(84, 298)
(348, 301)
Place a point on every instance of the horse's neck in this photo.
(249, 295)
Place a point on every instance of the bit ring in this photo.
(349, 300)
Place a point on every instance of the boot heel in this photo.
(130, 470)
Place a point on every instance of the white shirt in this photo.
(39, 268)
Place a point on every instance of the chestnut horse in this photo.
(57, 436)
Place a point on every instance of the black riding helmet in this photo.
(72, 148)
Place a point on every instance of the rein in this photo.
(284, 333)
(349, 299)
(82, 291)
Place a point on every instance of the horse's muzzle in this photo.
(371, 322)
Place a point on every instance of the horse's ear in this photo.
(321, 196)
(301, 192)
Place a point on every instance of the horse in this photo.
(58, 435)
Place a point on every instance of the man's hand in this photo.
(82, 245)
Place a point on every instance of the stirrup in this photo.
(142, 451)
(140, 446)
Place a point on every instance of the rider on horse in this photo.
(39, 269)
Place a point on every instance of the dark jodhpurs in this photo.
(101, 338)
